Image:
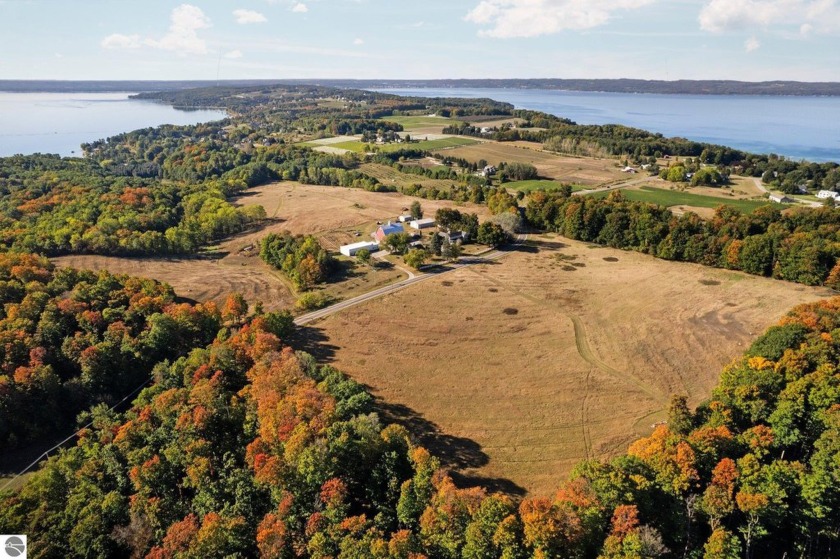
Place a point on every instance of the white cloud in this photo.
(234, 54)
(120, 41)
(726, 15)
(182, 37)
(359, 41)
(300, 8)
(530, 18)
(244, 17)
(751, 44)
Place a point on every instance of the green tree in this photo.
(363, 256)
(491, 234)
(397, 243)
(435, 244)
(416, 257)
(416, 210)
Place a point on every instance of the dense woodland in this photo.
(239, 446)
(301, 258)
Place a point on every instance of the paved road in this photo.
(428, 273)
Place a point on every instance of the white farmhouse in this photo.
(827, 194)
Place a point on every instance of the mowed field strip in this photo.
(333, 214)
(578, 170)
(516, 370)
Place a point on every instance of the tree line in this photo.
(800, 245)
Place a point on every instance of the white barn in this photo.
(422, 223)
(351, 250)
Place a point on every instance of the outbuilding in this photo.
(827, 194)
(422, 223)
(352, 249)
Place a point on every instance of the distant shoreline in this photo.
(676, 87)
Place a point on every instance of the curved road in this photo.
(432, 271)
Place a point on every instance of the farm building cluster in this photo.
(415, 226)
(403, 224)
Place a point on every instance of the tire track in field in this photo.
(586, 353)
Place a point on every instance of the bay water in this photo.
(61, 122)
(796, 127)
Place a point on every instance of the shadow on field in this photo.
(455, 453)
(343, 270)
(535, 245)
(313, 341)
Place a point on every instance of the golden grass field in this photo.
(516, 370)
(578, 170)
(332, 214)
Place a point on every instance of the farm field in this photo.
(389, 176)
(670, 198)
(514, 371)
(422, 124)
(333, 214)
(578, 170)
(428, 145)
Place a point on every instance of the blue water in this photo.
(60, 122)
(796, 127)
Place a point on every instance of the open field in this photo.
(670, 198)
(428, 145)
(389, 176)
(517, 369)
(531, 185)
(427, 123)
(586, 171)
(332, 214)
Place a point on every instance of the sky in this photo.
(409, 39)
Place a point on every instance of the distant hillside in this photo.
(95, 86)
(679, 87)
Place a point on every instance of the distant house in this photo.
(488, 170)
(454, 236)
(780, 199)
(422, 223)
(387, 229)
(827, 194)
(405, 218)
(351, 250)
(802, 189)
